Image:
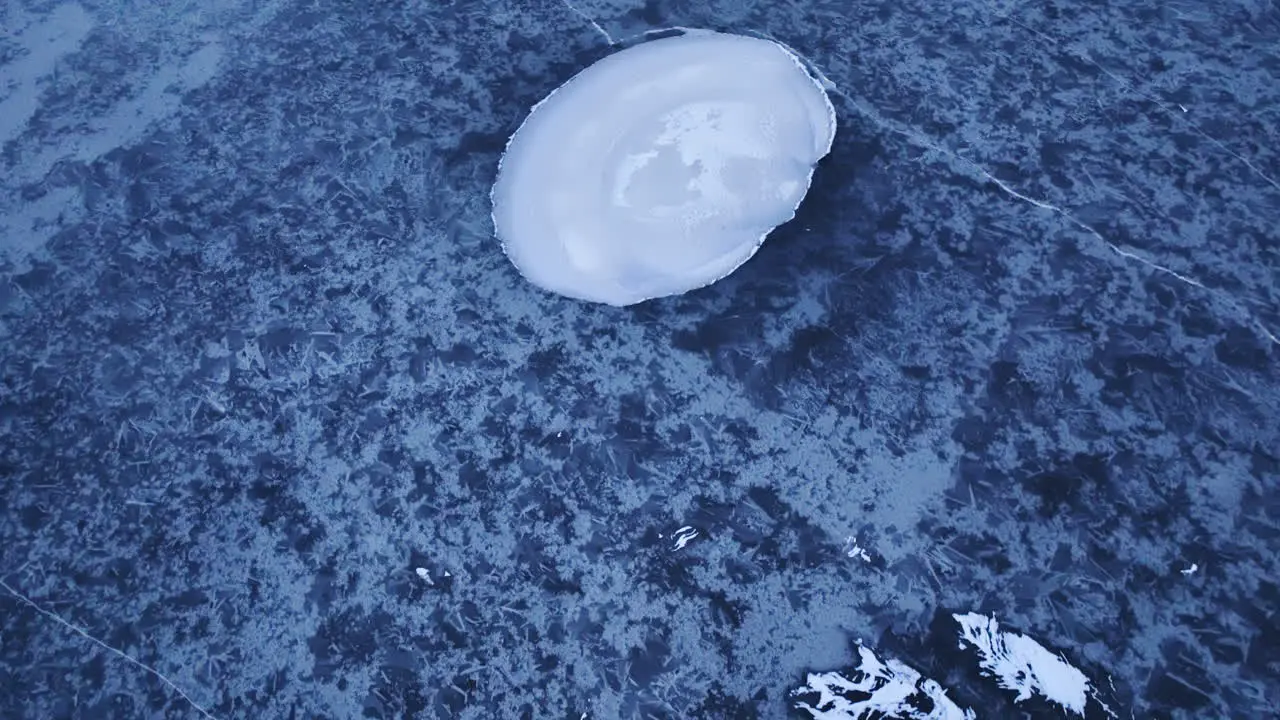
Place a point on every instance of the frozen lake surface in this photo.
(995, 420)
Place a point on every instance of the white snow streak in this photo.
(1019, 663)
(891, 689)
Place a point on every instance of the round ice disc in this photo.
(660, 168)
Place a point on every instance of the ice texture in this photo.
(660, 168)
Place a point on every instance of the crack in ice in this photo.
(120, 653)
(1084, 226)
(923, 141)
(591, 21)
(1117, 249)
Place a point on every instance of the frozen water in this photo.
(661, 168)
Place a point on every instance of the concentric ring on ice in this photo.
(660, 168)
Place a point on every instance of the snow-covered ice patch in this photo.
(1023, 665)
(660, 168)
(854, 550)
(876, 689)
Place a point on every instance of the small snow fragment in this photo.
(425, 574)
(876, 689)
(854, 550)
(684, 536)
(1019, 663)
(1191, 570)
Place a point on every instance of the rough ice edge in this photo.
(817, 78)
(1021, 664)
(893, 690)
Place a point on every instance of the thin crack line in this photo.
(920, 140)
(1117, 249)
(82, 633)
(590, 20)
(1263, 329)
(1087, 228)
